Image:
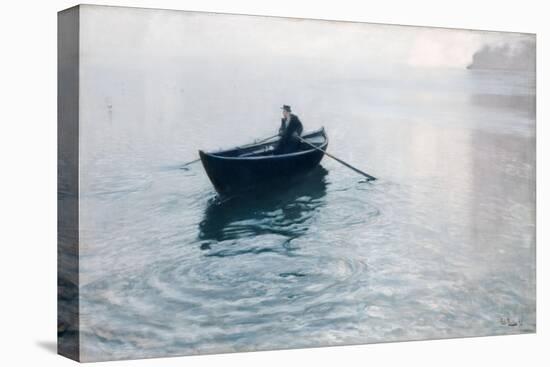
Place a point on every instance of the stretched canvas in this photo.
(232, 183)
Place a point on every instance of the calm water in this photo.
(442, 245)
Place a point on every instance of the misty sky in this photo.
(115, 37)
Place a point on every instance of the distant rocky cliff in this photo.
(521, 56)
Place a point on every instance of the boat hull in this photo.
(233, 174)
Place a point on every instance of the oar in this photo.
(189, 163)
(258, 142)
(369, 177)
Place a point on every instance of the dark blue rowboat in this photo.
(245, 167)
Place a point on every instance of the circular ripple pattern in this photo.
(441, 245)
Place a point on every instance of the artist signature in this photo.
(507, 321)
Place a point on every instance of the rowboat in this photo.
(246, 166)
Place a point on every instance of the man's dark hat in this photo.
(286, 108)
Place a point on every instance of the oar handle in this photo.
(369, 177)
(266, 139)
(258, 142)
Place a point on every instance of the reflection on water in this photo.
(284, 207)
(442, 245)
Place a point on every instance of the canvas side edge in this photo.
(68, 316)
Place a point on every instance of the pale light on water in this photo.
(442, 245)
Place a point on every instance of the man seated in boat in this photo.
(291, 128)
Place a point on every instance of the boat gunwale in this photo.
(216, 156)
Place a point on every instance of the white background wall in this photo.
(28, 181)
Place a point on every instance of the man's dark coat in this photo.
(288, 142)
(294, 126)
